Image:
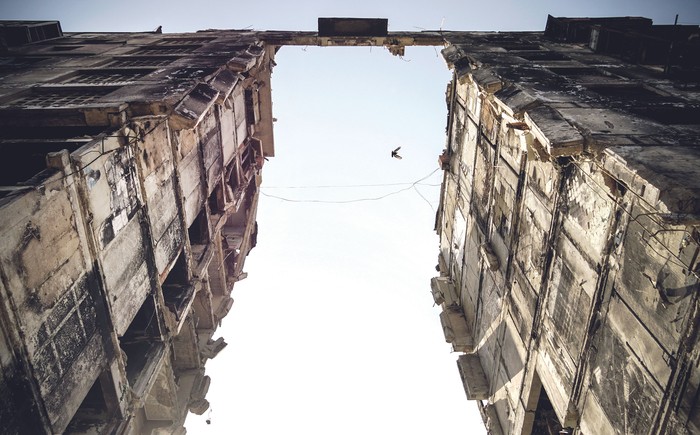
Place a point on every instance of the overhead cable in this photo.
(348, 201)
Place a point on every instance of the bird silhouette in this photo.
(395, 153)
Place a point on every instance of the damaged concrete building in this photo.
(568, 264)
(130, 178)
(569, 226)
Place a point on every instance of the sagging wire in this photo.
(640, 197)
(342, 186)
(349, 201)
(650, 205)
(633, 218)
(424, 198)
(637, 217)
(445, 42)
(102, 153)
(679, 262)
(133, 141)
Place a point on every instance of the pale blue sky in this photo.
(180, 16)
(334, 331)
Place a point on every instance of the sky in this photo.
(334, 330)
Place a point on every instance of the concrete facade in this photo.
(130, 179)
(568, 264)
(569, 226)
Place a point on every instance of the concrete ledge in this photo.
(515, 101)
(557, 136)
(192, 108)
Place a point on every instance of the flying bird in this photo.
(395, 153)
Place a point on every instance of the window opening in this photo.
(635, 92)
(142, 345)
(216, 201)
(577, 71)
(233, 179)
(177, 290)
(99, 77)
(32, 154)
(93, 413)
(542, 55)
(190, 73)
(65, 47)
(183, 41)
(53, 98)
(199, 230)
(516, 46)
(153, 61)
(647, 103)
(9, 62)
(93, 41)
(546, 421)
(251, 106)
(165, 50)
(502, 37)
(251, 150)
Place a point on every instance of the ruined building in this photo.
(568, 268)
(569, 226)
(130, 176)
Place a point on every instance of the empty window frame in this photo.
(648, 103)
(232, 177)
(217, 202)
(166, 50)
(189, 73)
(55, 98)
(89, 40)
(252, 106)
(542, 55)
(247, 157)
(578, 71)
(142, 345)
(199, 230)
(251, 151)
(32, 154)
(103, 77)
(96, 38)
(24, 32)
(177, 289)
(546, 420)
(521, 46)
(65, 47)
(150, 61)
(97, 408)
(183, 41)
(18, 62)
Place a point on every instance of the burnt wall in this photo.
(568, 228)
(108, 308)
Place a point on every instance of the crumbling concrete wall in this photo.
(53, 291)
(568, 229)
(115, 267)
(112, 197)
